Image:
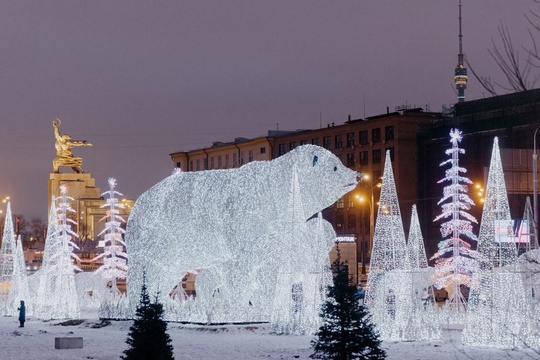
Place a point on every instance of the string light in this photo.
(239, 231)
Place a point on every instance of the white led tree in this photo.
(389, 250)
(44, 276)
(415, 245)
(529, 228)
(498, 303)
(455, 261)
(389, 282)
(57, 279)
(496, 236)
(114, 257)
(19, 289)
(7, 261)
(422, 319)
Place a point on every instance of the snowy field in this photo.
(36, 341)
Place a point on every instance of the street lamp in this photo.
(535, 182)
(370, 186)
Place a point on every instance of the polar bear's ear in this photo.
(315, 159)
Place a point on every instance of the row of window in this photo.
(362, 158)
(351, 225)
(351, 140)
(223, 161)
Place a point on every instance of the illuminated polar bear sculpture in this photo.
(232, 226)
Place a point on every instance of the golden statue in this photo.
(64, 155)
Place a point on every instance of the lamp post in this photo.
(362, 199)
(535, 182)
(369, 186)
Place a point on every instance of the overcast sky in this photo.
(143, 79)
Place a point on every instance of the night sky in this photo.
(143, 79)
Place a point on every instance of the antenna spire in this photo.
(460, 74)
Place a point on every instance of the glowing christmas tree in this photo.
(389, 250)
(496, 236)
(421, 320)
(19, 289)
(7, 261)
(415, 245)
(57, 292)
(455, 262)
(389, 281)
(528, 228)
(498, 303)
(114, 257)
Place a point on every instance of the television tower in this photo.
(460, 75)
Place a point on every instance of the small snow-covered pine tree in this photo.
(347, 331)
(114, 257)
(148, 337)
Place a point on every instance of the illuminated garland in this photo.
(455, 261)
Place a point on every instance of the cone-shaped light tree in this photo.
(422, 322)
(496, 236)
(114, 257)
(19, 289)
(415, 245)
(389, 250)
(389, 280)
(528, 228)
(7, 260)
(455, 261)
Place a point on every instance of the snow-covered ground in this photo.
(36, 341)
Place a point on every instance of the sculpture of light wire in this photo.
(455, 261)
(240, 232)
(499, 304)
(7, 262)
(57, 296)
(389, 281)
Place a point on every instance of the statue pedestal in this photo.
(82, 188)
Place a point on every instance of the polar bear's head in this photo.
(322, 178)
